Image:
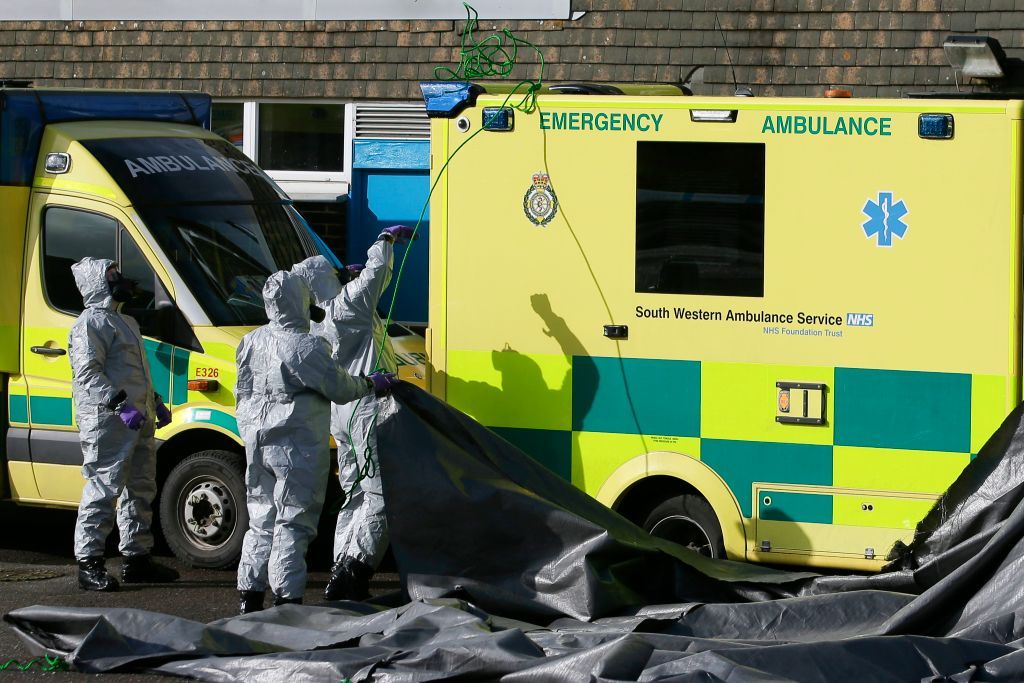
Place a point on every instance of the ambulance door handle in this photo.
(48, 351)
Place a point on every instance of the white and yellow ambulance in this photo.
(771, 329)
(135, 177)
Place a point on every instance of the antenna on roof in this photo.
(737, 90)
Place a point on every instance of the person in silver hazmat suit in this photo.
(286, 383)
(115, 406)
(359, 343)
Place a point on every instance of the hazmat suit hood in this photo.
(287, 300)
(91, 277)
(320, 276)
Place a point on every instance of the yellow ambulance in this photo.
(769, 329)
(135, 177)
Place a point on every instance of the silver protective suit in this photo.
(286, 383)
(355, 332)
(107, 356)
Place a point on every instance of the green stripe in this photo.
(635, 396)
(787, 506)
(18, 407)
(50, 410)
(925, 411)
(550, 447)
(741, 463)
(179, 393)
(158, 355)
(214, 417)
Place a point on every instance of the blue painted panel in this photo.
(381, 198)
(391, 154)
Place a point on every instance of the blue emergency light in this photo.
(935, 126)
(445, 99)
(500, 119)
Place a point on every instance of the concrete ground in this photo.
(36, 568)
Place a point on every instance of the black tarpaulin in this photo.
(514, 575)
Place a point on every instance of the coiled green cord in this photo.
(494, 56)
(45, 663)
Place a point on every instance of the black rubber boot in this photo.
(93, 576)
(286, 601)
(350, 580)
(250, 601)
(142, 569)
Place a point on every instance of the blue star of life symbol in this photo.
(885, 218)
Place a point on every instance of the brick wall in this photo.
(777, 47)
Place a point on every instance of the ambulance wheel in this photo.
(202, 509)
(690, 521)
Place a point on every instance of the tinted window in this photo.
(700, 218)
(183, 170)
(219, 219)
(302, 137)
(70, 235)
(226, 251)
(150, 295)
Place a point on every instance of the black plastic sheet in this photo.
(514, 575)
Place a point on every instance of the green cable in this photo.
(51, 664)
(487, 58)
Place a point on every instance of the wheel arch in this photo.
(190, 440)
(637, 486)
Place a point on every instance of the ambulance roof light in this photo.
(975, 56)
(713, 115)
(445, 99)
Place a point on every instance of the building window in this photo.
(700, 218)
(228, 120)
(302, 137)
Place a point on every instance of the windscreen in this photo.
(217, 216)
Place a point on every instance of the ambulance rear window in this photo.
(700, 218)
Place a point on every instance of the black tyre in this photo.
(690, 521)
(202, 509)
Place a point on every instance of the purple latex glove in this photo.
(399, 234)
(382, 382)
(163, 415)
(131, 416)
(354, 269)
